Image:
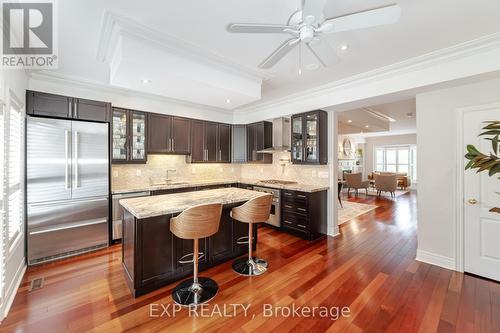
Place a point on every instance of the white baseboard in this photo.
(436, 259)
(10, 294)
(334, 231)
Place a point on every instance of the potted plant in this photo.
(484, 161)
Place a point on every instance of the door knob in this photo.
(472, 201)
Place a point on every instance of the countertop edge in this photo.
(293, 187)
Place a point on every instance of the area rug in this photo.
(352, 210)
(372, 191)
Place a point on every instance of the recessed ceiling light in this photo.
(344, 47)
(312, 66)
(228, 101)
(349, 121)
(366, 126)
(145, 81)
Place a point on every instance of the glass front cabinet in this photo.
(309, 138)
(129, 136)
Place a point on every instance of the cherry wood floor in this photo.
(370, 268)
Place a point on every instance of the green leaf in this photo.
(490, 132)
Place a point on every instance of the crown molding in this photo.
(437, 57)
(79, 82)
(113, 26)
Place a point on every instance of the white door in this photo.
(482, 227)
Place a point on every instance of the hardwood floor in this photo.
(369, 268)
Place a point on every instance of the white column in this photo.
(332, 215)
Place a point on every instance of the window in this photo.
(14, 201)
(397, 159)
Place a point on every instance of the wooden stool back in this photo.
(197, 221)
(254, 211)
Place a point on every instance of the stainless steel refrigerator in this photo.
(67, 187)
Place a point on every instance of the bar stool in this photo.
(195, 223)
(253, 211)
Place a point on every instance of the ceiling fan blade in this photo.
(313, 8)
(250, 28)
(362, 19)
(279, 53)
(325, 54)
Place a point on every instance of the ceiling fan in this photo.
(307, 25)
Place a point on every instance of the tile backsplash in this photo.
(140, 175)
(306, 174)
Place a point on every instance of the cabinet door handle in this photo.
(288, 206)
(301, 196)
(301, 209)
(301, 226)
(287, 222)
(288, 194)
(173, 144)
(75, 109)
(70, 108)
(220, 155)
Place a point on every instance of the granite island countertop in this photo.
(294, 187)
(144, 207)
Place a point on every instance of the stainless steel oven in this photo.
(275, 216)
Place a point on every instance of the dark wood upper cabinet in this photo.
(168, 134)
(309, 138)
(129, 136)
(259, 137)
(85, 109)
(51, 105)
(211, 142)
(197, 141)
(224, 143)
(159, 134)
(181, 135)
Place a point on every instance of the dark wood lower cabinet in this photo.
(151, 252)
(304, 214)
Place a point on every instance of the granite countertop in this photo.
(293, 187)
(144, 207)
(173, 185)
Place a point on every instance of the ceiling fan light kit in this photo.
(308, 26)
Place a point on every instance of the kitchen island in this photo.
(151, 253)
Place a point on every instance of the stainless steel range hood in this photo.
(281, 136)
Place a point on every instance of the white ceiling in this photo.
(362, 122)
(425, 25)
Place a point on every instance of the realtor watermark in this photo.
(29, 39)
(159, 310)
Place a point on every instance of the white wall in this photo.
(372, 142)
(438, 169)
(13, 82)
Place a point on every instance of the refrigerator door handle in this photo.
(72, 226)
(75, 161)
(65, 202)
(67, 138)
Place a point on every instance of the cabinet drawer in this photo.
(288, 194)
(296, 221)
(295, 206)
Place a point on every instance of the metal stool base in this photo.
(187, 293)
(250, 267)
